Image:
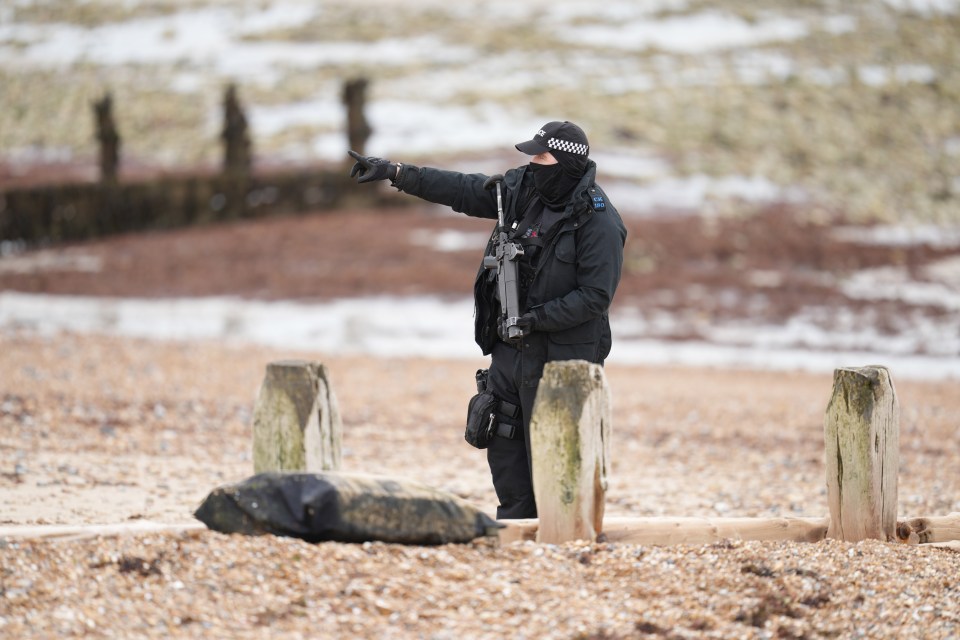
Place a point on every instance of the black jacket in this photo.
(576, 275)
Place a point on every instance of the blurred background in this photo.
(789, 171)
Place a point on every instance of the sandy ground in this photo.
(102, 430)
(99, 430)
(108, 430)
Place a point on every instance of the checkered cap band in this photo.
(569, 147)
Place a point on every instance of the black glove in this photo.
(370, 169)
(492, 181)
(528, 322)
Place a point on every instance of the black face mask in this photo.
(554, 185)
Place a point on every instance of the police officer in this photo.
(573, 241)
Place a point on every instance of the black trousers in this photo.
(509, 460)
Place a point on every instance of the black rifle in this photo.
(504, 262)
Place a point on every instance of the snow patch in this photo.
(697, 33)
(438, 328)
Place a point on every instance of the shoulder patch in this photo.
(597, 200)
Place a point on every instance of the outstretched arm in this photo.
(462, 192)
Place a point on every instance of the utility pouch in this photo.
(482, 376)
(481, 419)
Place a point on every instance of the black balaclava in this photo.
(568, 144)
(555, 182)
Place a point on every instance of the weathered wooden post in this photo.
(108, 138)
(862, 437)
(237, 153)
(354, 99)
(296, 420)
(570, 444)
